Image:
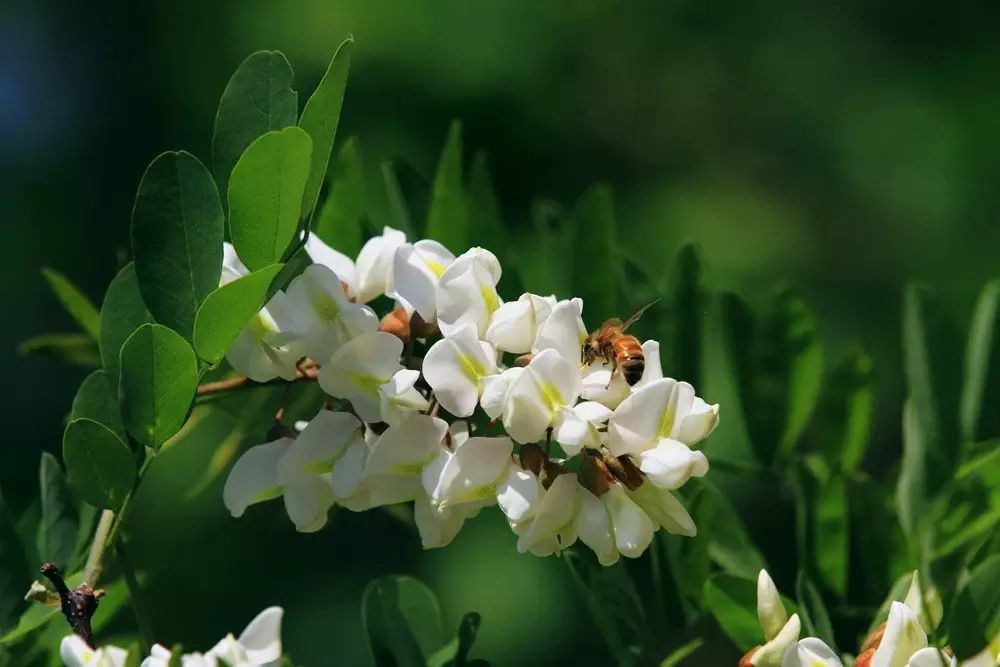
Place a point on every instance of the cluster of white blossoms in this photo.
(570, 451)
(259, 645)
(900, 642)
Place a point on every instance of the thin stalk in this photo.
(92, 570)
(139, 609)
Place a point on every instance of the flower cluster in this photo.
(259, 645)
(899, 642)
(581, 454)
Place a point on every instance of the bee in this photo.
(617, 348)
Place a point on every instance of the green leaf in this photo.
(14, 577)
(258, 98)
(595, 266)
(456, 652)
(831, 533)
(896, 594)
(265, 196)
(683, 652)
(974, 617)
(76, 303)
(320, 118)
(340, 219)
(95, 400)
(844, 417)
(177, 234)
(729, 545)
(930, 417)
(815, 618)
(733, 602)
(402, 619)
(122, 312)
(688, 316)
(488, 230)
(58, 529)
(542, 261)
(447, 217)
(99, 466)
(227, 311)
(77, 349)
(408, 195)
(981, 390)
(159, 378)
(613, 602)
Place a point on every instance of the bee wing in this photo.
(632, 320)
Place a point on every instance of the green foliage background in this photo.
(843, 150)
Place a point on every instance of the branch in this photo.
(305, 373)
(78, 605)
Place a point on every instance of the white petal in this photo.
(319, 446)
(652, 370)
(232, 266)
(593, 524)
(269, 346)
(322, 313)
(405, 449)
(903, 637)
(254, 476)
(770, 609)
(495, 390)
(663, 508)
(74, 651)
(345, 478)
(475, 470)
(772, 653)
(416, 269)
(512, 327)
(466, 292)
(456, 368)
(633, 528)
(635, 424)
(399, 397)
(518, 493)
(671, 464)
(931, 657)
(336, 261)
(563, 330)
(810, 652)
(262, 637)
(308, 501)
(374, 266)
(554, 516)
(437, 528)
(699, 423)
(359, 367)
(598, 386)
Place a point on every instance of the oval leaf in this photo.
(320, 118)
(122, 312)
(258, 98)
(974, 619)
(265, 196)
(94, 400)
(402, 620)
(227, 310)
(57, 531)
(159, 378)
(99, 466)
(177, 234)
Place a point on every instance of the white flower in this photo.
(770, 609)
(232, 266)
(672, 463)
(399, 397)
(903, 637)
(439, 526)
(254, 476)
(159, 656)
(518, 494)
(514, 325)
(576, 427)
(664, 408)
(810, 652)
(416, 269)
(471, 473)
(320, 253)
(75, 653)
(322, 314)
(374, 266)
(613, 524)
(545, 524)
(563, 331)
(456, 367)
(467, 291)
(772, 653)
(259, 645)
(358, 370)
(269, 346)
(495, 390)
(598, 385)
(931, 657)
(397, 458)
(548, 384)
(926, 604)
(664, 509)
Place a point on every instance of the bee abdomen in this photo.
(632, 369)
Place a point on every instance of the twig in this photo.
(77, 605)
(92, 570)
(304, 373)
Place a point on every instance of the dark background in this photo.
(844, 148)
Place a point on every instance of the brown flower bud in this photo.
(523, 360)
(594, 475)
(397, 323)
(421, 328)
(874, 639)
(865, 658)
(532, 457)
(747, 657)
(550, 470)
(623, 470)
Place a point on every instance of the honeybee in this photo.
(617, 348)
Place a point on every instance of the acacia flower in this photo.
(613, 524)
(358, 370)
(456, 368)
(392, 472)
(269, 346)
(542, 519)
(598, 385)
(577, 427)
(495, 390)
(664, 408)
(323, 316)
(514, 325)
(374, 265)
(399, 397)
(75, 653)
(810, 652)
(467, 291)
(563, 330)
(416, 269)
(902, 639)
(536, 397)
(470, 473)
(259, 645)
(342, 265)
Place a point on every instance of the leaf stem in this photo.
(304, 373)
(92, 570)
(139, 609)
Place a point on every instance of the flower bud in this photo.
(421, 328)
(523, 360)
(747, 659)
(550, 471)
(770, 610)
(594, 475)
(532, 457)
(397, 323)
(623, 470)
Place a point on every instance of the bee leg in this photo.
(614, 373)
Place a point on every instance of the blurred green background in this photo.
(842, 148)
